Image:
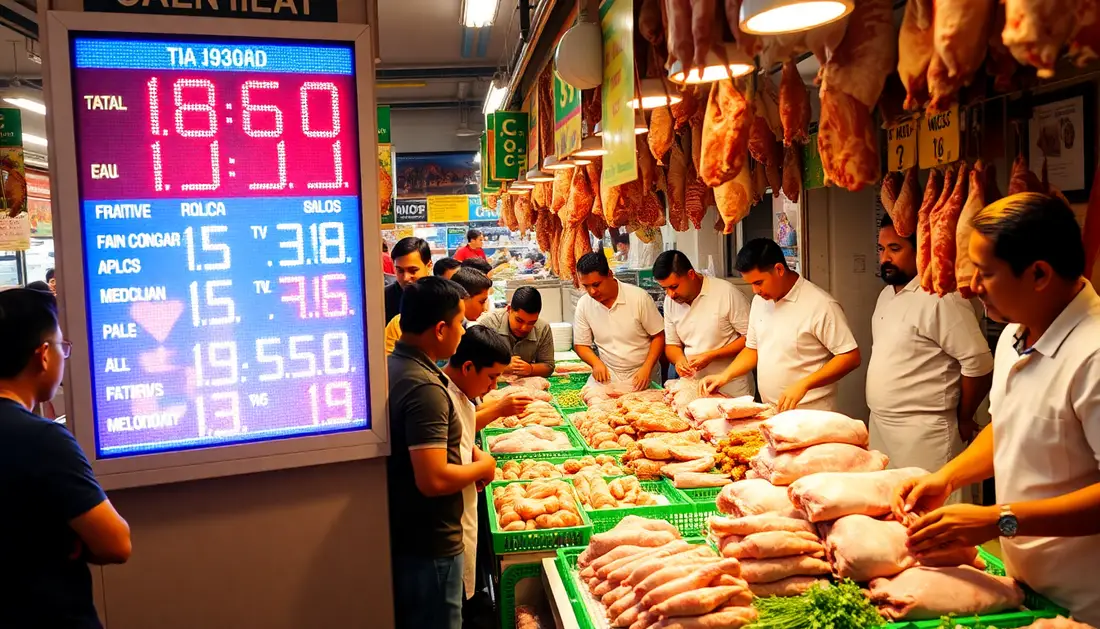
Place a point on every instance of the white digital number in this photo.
(230, 411)
(263, 358)
(219, 355)
(208, 245)
(335, 349)
(326, 237)
(296, 244)
(309, 357)
(213, 301)
(337, 395)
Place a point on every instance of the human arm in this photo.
(675, 355)
(743, 364)
(922, 495)
(973, 391)
(599, 370)
(104, 535)
(643, 376)
(428, 413)
(436, 477)
(544, 352)
(832, 371)
(506, 406)
(736, 311)
(727, 351)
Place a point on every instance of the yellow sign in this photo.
(902, 141)
(620, 165)
(449, 208)
(567, 118)
(939, 138)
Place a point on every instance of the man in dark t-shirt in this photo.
(412, 260)
(56, 516)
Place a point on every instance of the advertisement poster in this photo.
(620, 165)
(15, 224)
(487, 185)
(38, 204)
(1057, 133)
(420, 175)
(509, 144)
(385, 182)
(452, 208)
(411, 210)
(786, 230)
(567, 118)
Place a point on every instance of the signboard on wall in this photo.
(411, 210)
(620, 165)
(509, 144)
(567, 118)
(38, 204)
(15, 224)
(451, 208)
(292, 10)
(420, 175)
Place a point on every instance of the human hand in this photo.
(967, 429)
(918, 496)
(684, 368)
(641, 379)
(514, 404)
(519, 367)
(490, 466)
(791, 396)
(600, 372)
(953, 526)
(710, 384)
(699, 362)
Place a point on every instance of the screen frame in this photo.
(227, 460)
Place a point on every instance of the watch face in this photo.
(1008, 525)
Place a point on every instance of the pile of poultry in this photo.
(616, 423)
(530, 469)
(539, 412)
(645, 575)
(621, 492)
(513, 389)
(540, 504)
(529, 439)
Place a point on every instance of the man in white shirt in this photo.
(798, 338)
(1043, 444)
(621, 321)
(930, 365)
(705, 322)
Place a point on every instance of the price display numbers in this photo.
(939, 137)
(219, 184)
(901, 142)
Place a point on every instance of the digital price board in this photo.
(222, 239)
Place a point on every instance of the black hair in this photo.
(527, 299)
(443, 265)
(759, 254)
(1027, 227)
(889, 222)
(482, 347)
(669, 262)
(39, 285)
(27, 318)
(594, 262)
(385, 247)
(481, 264)
(623, 239)
(472, 235)
(412, 244)
(49, 274)
(474, 282)
(428, 301)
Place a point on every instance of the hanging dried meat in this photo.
(866, 55)
(540, 196)
(696, 124)
(581, 245)
(891, 188)
(652, 211)
(560, 190)
(792, 172)
(847, 141)
(596, 225)
(677, 188)
(508, 212)
(1036, 30)
(702, 29)
(567, 252)
(660, 133)
(695, 202)
(759, 180)
(685, 109)
(928, 274)
(904, 211)
(725, 134)
(944, 226)
(650, 24)
(915, 50)
(524, 213)
(794, 106)
(975, 201)
(733, 199)
(595, 171)
(765, 149)
(932, 191)
(544, 230)
(581, 198)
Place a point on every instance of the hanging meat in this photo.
(915, 49)
(685, 109)
(928, 274)
(944, 227)
(792, 172)
(647, 165)
(677, 189)
(696, 124)
(975, 201)
(595, 171)
(581, 198)
(999, 63)
(888, 193)
(702, 29)
(759, 180)
(695, 202)
(932, 191)
(794, 106)
(660, 133)
(1085, 46)
(725, 134)
(540, 195)
(650, 24)
(765, 149)
(749, 44)
(1091, 232)
(961, 30)
(523, 212)
(546, 111)
(543, 230)
(1036, 30)
(867, 54)
(508, 212)
(847, 140)
(767, 105)
(560, 190)
(555, 245)
(680, 44)
(581, 244)
(1021, 178)
(824, 40)
(782, 48)
(567, 254)
(733, 199)
(904, 211)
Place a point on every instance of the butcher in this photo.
(705, 321)
(930, 364)
(798, 338)
(621, 322)
(1043, 444)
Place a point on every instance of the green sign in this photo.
(509, 144)
(383, 124)
(11, 127)
(488, 186)
(567, 118)
(813, 175)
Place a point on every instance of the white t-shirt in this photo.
(718, 316)
(467, 413)
(794, 337)
(1045, 404)
(622, 333)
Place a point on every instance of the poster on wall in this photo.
(385, 182)
(1057, 133)
(786, 230)
(15, 224)
(38, 204)
(420, 175)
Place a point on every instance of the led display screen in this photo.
(220, 204)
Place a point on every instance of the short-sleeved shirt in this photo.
(923, 345)
(392, 334)
(794, 337)
(422, 416)
(718, 316)
(45, 483)
(466, 251)
(393, 293)
(535, 348)
(1045, 404)
(622, 333)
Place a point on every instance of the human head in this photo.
(523, 311)
(761, 263)
(897, 256)
(477, 287)
(412, 260)
(51, 280)
(478, 263)
(673, 271)
(33, 360)
(1025, 248)
(622, 243)
(480, 359)
(595, 276)
(474, 238)
(39, 285)
(445, 267)
(431, 316)
(385, 247)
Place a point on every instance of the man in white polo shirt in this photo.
(705, 322)
(798, 338)
(621, 321)
(1043, 445)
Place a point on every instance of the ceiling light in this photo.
(721, 63)
(774, 17)
(592, 146)
(656, 93)
(34, 139)
(28, 104)
(553, 163)
(578, 59)
(495, 97)
(640, 127)
(537, 175)
(478, 13)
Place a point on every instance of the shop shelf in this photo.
(679, 512)
(508, 579)
(538, 539)
(575, 439)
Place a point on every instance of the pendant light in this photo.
(553, 163)
(724, 62)
(640, 127)
(592, 146)
(655, 93)
(775, 17)
(537, 175)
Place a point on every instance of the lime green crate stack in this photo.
(535, 540)
(679, 512)
(576, 449)
(558, 460)
(705, 500)
(511, 576)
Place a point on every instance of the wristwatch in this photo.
(1007, 524)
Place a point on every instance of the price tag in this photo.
(902, 142)
(939, 138)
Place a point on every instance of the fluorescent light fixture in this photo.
(495, 98)
(553, 163)
(656, 93)
(775, 17)
(478, 13)
(537, 175)
(34, 139)
(28, 104)
(721, 63)
(592, 146)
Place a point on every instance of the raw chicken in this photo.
(1091, 232)
(791, 586)
(754, 497)
(700, 578)
(928, 593)
(772, 544)
(867, 54)
(928, 273)
(725, 135)
(537, 412)
(705, 408)
(800, 428)
(863, 548)
(847, 140)
(677, 189)
(772, 570)
(932, 191)
(729, 617)
(975, 201)
(1036, 30)
(792, 172)
(784, 468)
(703, 601)
(904, 212)
(944, 227)
(537, 394)
(536, 383)
(915, 49)
(733, 200)
(961, 30)
(794, 106)
(1000, 64)
(697, 466)
(1058, 623)
(652, 574)
(631, 531)
(696, 480)
(749, 524)
(832, 495)
(530, 439)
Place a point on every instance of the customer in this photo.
(51, 280)
(425, 471)
(412, 260)
(387, 261)
(445, 267)
(473, 247)
(56, 517)
(529, 338)
(477, 288)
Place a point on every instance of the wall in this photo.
(427, 130)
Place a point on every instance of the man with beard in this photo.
(930, 365)
(705, 322)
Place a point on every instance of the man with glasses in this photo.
(58, 518)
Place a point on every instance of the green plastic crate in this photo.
(508, 579)
(537, 540)
(568, 381)
(557, 460)
(575, 439)
(679, 512)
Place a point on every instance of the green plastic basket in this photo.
(539, 539)
(575, 440)
(508, 579)
(557, 460)
(679, 512)
(568, 381)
